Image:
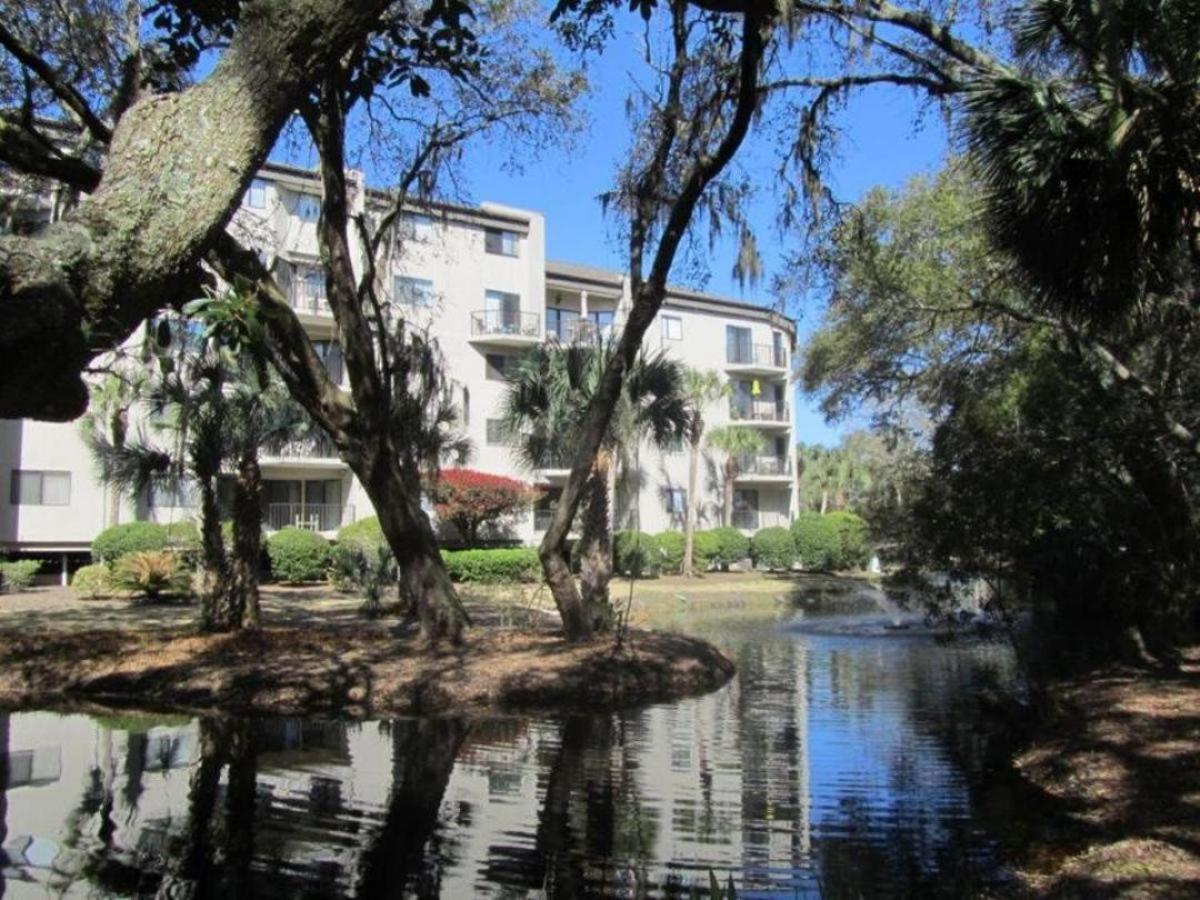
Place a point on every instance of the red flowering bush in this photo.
(470, 499)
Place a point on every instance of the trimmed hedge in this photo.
(773, 548)
(18, 575)
(298, 554)
(852, 535)
(671, 546)
(670, 550)
(837, 540)
(132, 537)
(730, 546)
(363, 533)
(636, 554)
(505, 565)
(93, 582)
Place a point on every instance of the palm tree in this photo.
(544, 408)
(701, 388)
(735, 441)
(208, 408)
(108, 409)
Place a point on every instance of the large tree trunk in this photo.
(244, 610)
(689, 528)
(241, 802)
(424, 580)
(195, 869)
(595, 550)
(175, 172)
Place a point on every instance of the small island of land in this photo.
(317, 654)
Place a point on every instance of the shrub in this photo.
(773, 548)
(730, 546)
(851, 530)
(151, 574)
(817, 541)
(184, 539)
(298, 554)
(357, 543)
(363, 533)
(133, 537)
(705, 547)
(469, 500)
(670, 550)
(369, 571)
(636, 554)
(493, 566)
(18, 575)
(93, 582)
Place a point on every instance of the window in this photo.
(29, 488)
(497, 366)
(745, 509)
(672, 328)
(256, 195)
(331, 355)
(738, 348)
(466, 406)
(562, 323)
(502, 243)
(675, 500)
(496, 434)
(312, 283)
(415, 292)
(171, 495)
(414, 227)
(308, 207)
(778, 350)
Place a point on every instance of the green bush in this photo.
(184, 538)
(705, 548)
(152, 574)
(817, 542)
(636, 554)
(498, 566)
(18, 575)
(93, 582)
(851, 530)
(356, 544)
(363, 533)
(132, 537)
(298, 554)
(773, 548)
(670, 550)
(730, 546)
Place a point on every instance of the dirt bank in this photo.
(361, 671)
(1120, 759)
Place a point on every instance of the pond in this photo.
(836, 764)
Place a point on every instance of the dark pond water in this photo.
(835, 765)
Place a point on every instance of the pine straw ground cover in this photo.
(1121, 757)
(356, 668)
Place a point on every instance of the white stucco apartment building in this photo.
(479, 277)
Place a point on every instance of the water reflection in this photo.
(832, 766)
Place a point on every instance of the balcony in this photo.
(312, 516)
(310, 448)
(756, 359)
(505, 327)
(308, 299)
(578, 330)
(771, 413)
(764, 469)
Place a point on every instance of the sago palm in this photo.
(544, 410)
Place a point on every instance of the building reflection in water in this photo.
(829, 765)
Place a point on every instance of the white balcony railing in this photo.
(763, 356)
(764, 465)
(742, 409)
(316, 446)
(313, 516)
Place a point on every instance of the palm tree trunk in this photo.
(689, 529)
(730, 475)
(824, 500)
(118, 429)
(216, 568)
(595, 552)
(244, 610)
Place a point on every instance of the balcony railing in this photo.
(316, 446)
(578, 330)
(745, 518)
(313, 516)
(764, 465)
(305, 297)
(505, 323)
(742, 409)
(762, 355)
